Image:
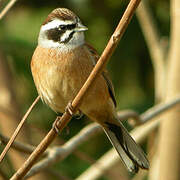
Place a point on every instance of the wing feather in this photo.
(104, 73)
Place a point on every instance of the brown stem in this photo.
(16, 132)
(152, 37)
(87, 133)
(169, 145)
(7, 8)
(22, 147)
(157, 52)
(11, 112)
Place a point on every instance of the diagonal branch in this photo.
(115, 38)
(122, 115)
(85, 134)
(57, 154)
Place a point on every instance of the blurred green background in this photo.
(130, 66)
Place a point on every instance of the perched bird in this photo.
(61, 64)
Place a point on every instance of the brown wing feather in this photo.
(104, 73)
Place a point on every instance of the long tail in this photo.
(130, 153)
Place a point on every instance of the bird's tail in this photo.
(131, 154)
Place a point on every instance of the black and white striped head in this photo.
(62, 29)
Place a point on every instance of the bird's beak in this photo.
(81, 28)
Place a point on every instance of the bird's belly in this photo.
(58, 90)
(63, 75)
(59, 86)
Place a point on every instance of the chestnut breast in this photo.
(59, 76)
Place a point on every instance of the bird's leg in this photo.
(68, 109)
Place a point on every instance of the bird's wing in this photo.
(104, 73)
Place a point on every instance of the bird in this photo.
(60, 65)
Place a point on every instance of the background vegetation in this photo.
(130, 69)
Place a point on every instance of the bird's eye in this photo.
(62, 27)
(71, 26)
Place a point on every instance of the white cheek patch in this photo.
(54, 24)
(77, 40)
(65, 35)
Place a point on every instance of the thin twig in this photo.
(28, 149)
(158, 109)
(139, 134)
(149, 114)
(22, 147)
(16, 132)
(115, 38)
(8, 101)
(57, 154)
(7, 8)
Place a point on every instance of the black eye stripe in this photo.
(54, 34)
(68, 26)
(62, 27)
(71, 26)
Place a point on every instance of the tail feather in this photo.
(131, 154)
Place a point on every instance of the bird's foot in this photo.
(69, 108)
(54, 126)
(79, 115)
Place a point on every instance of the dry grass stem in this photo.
(157, 53)
(57, 154)
(169, 144)
(13, 137)
(7, 8)
(22, 147)
(140, 134)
